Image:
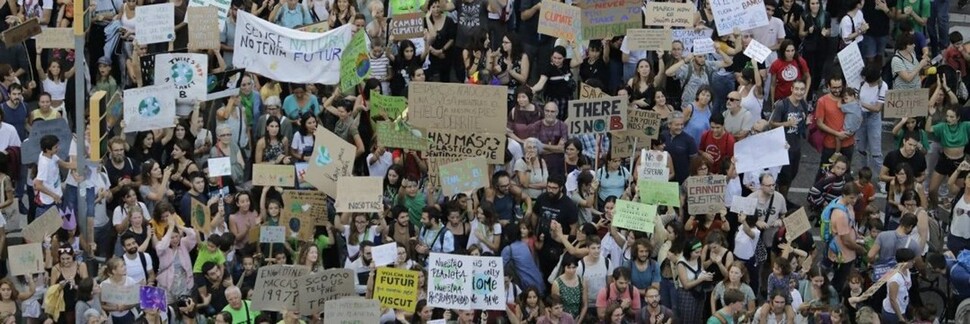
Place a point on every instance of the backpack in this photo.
(887, 71)
(690, 72)
(825, 228)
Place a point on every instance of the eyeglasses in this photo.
(733, 99)
(65, 251)
(551, 111)
(225, 135)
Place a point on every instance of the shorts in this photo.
(946, 165)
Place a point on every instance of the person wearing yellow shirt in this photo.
(164, 211)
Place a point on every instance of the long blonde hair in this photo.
(109, 267)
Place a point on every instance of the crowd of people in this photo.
(547, 211)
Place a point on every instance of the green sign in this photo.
(392, 105)
(354, 62)
(659, 193)
(634, 216)
(393, 135)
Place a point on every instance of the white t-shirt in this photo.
(8, 137)
(634, 55)
(848, 25)
(120, 213)
(35, 8)
(870, 95)
(594, 275)
(49, 174)
(379, 168)
(960, 227)
(477, 226)
(135, 270)
(128, 282)
(744, 245)
(610, 249)
(902, 296)
(367, 235)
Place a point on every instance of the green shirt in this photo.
(415, 205)
(952, 136)
(710, 320)
(206, 256)
(239, 316)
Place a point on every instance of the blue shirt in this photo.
(520, 257)
(959, 277)
(293, 18)
(643, 279)
(293, 111)
(681, 147)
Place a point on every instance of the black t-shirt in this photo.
(444, 35)
(917, 162)
(472, 16)
(130, 171)
(878, 20)
(548, 208)
(218, 301)
(557, 83)
(793, 15)
(597, 70)
(529, 28)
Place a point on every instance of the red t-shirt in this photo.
(828, 109)
(786, 72)
(719, 148)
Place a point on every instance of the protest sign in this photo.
(20, 33)
(332, 158)
(465, 282)
(731, 15)
(320, 27)
(622, 145)
(393, 106)
(360, 195)
(852, 63)
(384, 254)
(634, 216)
(288, 55)
(30, 148)
(56, 38)
(352, 310)
(25, 259)
(152, 298)
(200, 216)
(653, 166)
(278, 175)
(597, 115)
(587, 91)
(113, 109)
(435, 163)
(761, 151)
(644, 124)
(705, 194)
(668, 14)
(879, 283)
(224, 84)
(272, 234)
(407, 26)
(203, 30)
(393, 135)
(396, 288)
(756, 51)
(467, 144)
(602, 18)
(316, 289)
(659, 193)
(703, 46)
(796, 224)
(185, 72)
(907, 103)
(276, 287)
(650, 39)
(744, 205)
(120, 294)
(559, 20)
(155, 23)
(688, 35)
(457, 107)
(219, 167)
(302, 210)
(463, 176)
(149, 108)
(43, 226)
(222, 9)
(354, 62)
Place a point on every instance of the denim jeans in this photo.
(721, 86)
(938, 26)
(869, 142)
(871, 46)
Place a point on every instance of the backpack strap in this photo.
(144, 263)
(720, 317)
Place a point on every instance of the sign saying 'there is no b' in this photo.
(597, 115)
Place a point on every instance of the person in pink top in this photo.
(619, 292)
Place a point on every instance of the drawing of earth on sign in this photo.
(295, 225)
(323, 159)
(149, 107)
(182, 74)
(363, 65)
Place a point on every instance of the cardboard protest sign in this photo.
(467, 144)
(407, 26)
(152, 298)
(302, 210)
(273, 175)
(597, 115)
(705, 194)
(393, 106)
(200, 216)
(587, 91)
(276, 287)
(384, 254)
(18, 34)
(650, 39)
(332, 158)
(396, 288)
(756, 51)
(120, 294)
(224, 84)
(354, 62)
(634, 216)
(203, 30)
(465, 282)
(744, 205)
(850, 58)
(56, 38)
(653, 166)
(289, 55)
(622, 145)
(25, 259)
(435, 163)
(43, 226)
(879, 283)
(796, 224)
(730, 15)
(457, 107)
(907, 103)
(272, 234)
(185, 72)
(360, 195)
(352, 310)
(559, 20)
(30, 148)
(760, 151)
(603, 18)
(113, 109)
(463, 176)
(668, 14)
(704, 46)
(644, 124)
(222, 9)
(390, 134)
(316, 289)
(688, 35)
(149, 108)
(155, 23)
(219, 167)
(659, 193)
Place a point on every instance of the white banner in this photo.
(155, 23)
(743, 15)
(186, 73)
(289, 55)
(762, 151)
(149, 108)
(465, 282)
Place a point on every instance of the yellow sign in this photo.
(396, 288)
